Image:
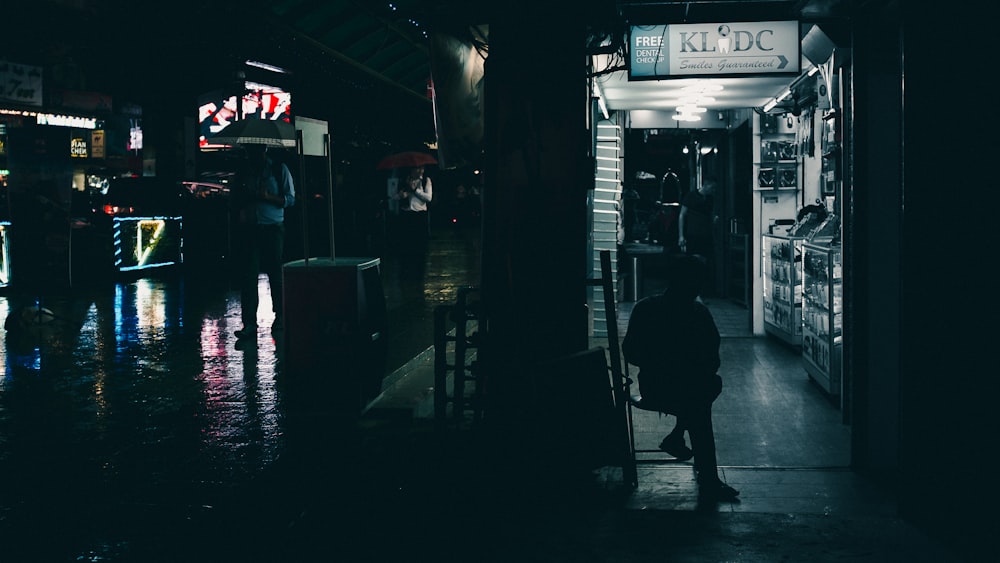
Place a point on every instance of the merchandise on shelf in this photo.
(778, 162)
(822, 313)
(783, 287)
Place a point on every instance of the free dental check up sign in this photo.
(714, 49)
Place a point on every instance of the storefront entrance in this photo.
(775, 254)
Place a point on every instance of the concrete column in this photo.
(537, 176)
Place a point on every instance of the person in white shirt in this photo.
(262, 193)
(415, 192)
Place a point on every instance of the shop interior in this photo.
(775, 146)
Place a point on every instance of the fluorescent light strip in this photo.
(266, 66)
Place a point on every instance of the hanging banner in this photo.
(457, 88)
(714, 49)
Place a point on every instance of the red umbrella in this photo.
(409, 159)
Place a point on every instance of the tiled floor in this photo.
(770, 414)
(780, 439)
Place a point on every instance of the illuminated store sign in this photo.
(216, 111)
(714, 49)
(146, 242)
(66, 121)
(135, 138)
(77, 148)
(97, 143)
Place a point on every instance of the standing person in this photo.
(415, 192)
(696, 225)
(674, 341)
(264, 188)
(697, 220)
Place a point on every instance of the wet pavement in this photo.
(131, 418)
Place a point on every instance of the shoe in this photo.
(717, 490)
(246, 332)
(675, 446)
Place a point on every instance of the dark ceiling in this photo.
(367, 55)
(366, 43)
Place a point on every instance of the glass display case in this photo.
(782, 276)
(823, 314)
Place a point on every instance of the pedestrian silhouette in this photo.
(674, 341)
(263, 191)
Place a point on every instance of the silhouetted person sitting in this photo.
(674, 341)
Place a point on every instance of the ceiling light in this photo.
(702, 88)
(691, 109)
(266, 66)
(686, 117)
(696, 100)
(777, 100)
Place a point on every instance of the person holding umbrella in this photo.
(263, 190)
(408, 197)
(415, 193)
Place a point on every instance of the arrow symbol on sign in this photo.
(783, 62)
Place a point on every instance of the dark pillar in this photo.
(537, 178)
(873, 212)
(948, 361)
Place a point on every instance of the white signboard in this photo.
(313, 135)
(714, 49)
(20, 84)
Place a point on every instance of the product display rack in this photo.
(782, 276)
(777, 162)
(822, 314)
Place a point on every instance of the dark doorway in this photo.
(739, 214)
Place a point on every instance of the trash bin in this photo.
(334, 338)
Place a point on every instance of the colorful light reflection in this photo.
(4, 253)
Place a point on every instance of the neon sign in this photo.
(66, 121)
(146, 242)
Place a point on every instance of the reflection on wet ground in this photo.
(118, 401)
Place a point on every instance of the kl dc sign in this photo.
(714, 49)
